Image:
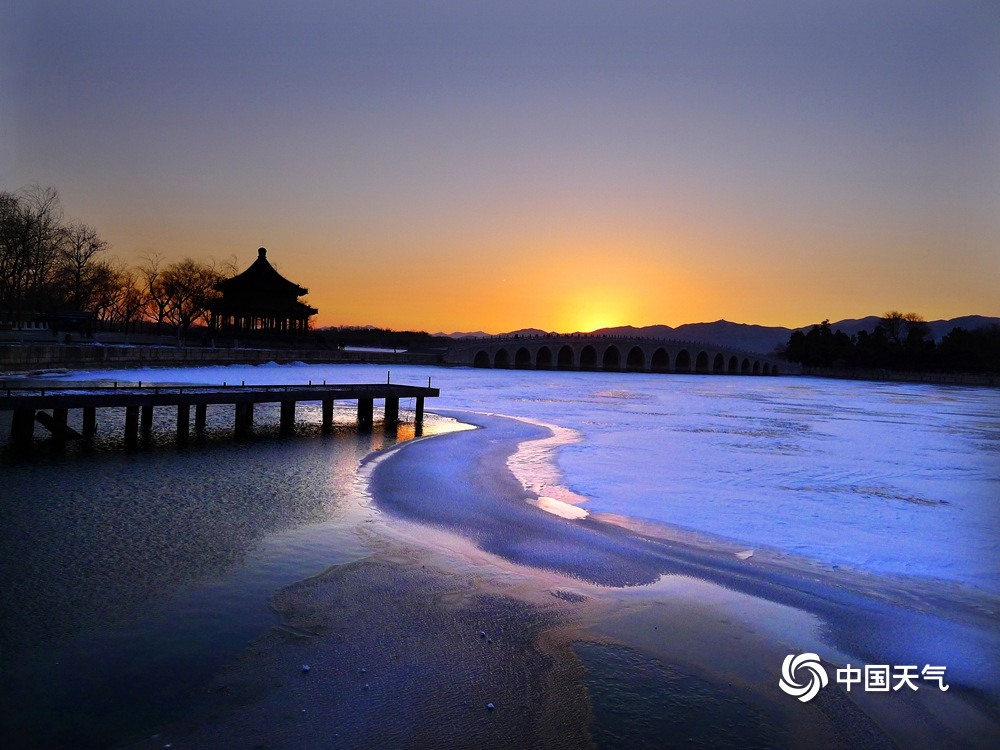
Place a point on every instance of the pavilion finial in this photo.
(261, 252)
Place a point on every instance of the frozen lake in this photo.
(146, 572)
(881, 477)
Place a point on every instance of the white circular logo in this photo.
(817, 676)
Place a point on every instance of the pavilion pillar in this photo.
(131, 426)
(146, 420)
(287, 417)
(183, 422)
(391, 409)
(366, 412)
(327, 415)
(89, 422)
(200, 411)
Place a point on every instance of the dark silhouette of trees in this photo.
(31, 241)
(187, 290)
(52, 269)
(901, 341)
(118, 297)
(971, 351)
(78, 271)
(821, 347)
(156, 303)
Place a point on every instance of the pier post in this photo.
(287, 417)
(22, 427)
(146, 420)
(131, 426)
(327, 415)
(89, 422)
(366, 412)
(183, 422)
(391, 409)
(244, 418)
(419, 417)
(200, 411)
(59, 418)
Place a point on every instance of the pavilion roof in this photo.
(260, 278)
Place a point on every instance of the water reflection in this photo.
(132, 577)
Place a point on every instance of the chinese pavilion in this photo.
(260, 300)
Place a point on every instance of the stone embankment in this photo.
(32, 357)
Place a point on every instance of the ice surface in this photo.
(887, 478)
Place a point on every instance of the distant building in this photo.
(260, 300)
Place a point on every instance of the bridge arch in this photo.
(636, 360)
(660, 361)
(683, 361)
(543, 360)
(701, 363)
(620, 353)
(565, 360)
(612, 359)
(522, 358)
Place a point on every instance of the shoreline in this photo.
(710, 617)
(37, 359)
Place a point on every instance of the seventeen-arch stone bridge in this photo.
(612, 353)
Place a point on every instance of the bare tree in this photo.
(188, 287)
(78, 268)
(901, 328)
(130, 300)
(229, 266)
(115, 296)
(30, 241)
(156, 302)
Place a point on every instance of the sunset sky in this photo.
(472, 165)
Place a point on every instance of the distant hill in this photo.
(940, 328)
(766, 339)
(754, 338)
(483, 334)
(463, 334)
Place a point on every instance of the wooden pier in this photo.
(32, 404)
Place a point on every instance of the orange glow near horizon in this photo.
(572, 283)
